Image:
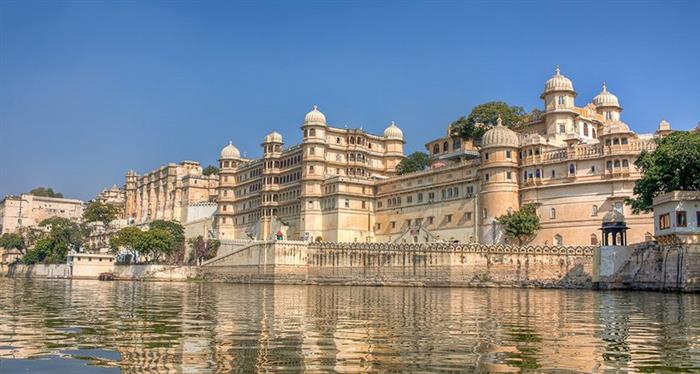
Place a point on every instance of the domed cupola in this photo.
(273, 137)
(393, 132)
(606, 99)
(500, 136)
(230, 151)
(558, 83)
(315, 117)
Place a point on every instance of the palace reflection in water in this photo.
(132, 327)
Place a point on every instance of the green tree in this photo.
(155, 243)
(128, 239)
(46, 192)
(98, 211)
(177, 232)
(211, 169)
(484, 116)
(414, 162)
(521, 225)
(12, 241)
(42, 249)
(673, 165)
(63, 232)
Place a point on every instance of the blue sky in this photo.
(89, 90)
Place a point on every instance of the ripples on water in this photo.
(129, 327)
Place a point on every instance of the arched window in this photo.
(558, 240)
(617, 163)
(436, 149)
(445, 147)
(594, 239)
(625, 164)
(594, 210)
(585, 129)
(552, 213)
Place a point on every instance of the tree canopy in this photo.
(98, 211)
(414, 162)
(63, 232)
(127, 239)
(12, 241)
(521, 225)
(46, 192)
(160, 241)
(209, 170)
(484, 116)
(673, 165)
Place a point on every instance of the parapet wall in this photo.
(424, 264)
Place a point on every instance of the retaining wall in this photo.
(426, 264)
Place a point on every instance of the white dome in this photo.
(273, 137)
(230, 151)
(606, 99)
(393, 132)
(617, 127)
(665, 126)
(558, 82)
(315, 116)
(500, 135)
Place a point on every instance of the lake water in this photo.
(60, 326)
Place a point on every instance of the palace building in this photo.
(575, 163)
(165, 193)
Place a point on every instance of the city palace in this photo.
(574, 163)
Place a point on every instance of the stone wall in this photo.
(425, 264)
(50, 271)
(155, 272)
(651, 266)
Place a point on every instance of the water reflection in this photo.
(219, 328)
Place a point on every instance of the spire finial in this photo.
(230, 142)
(557, 71)
(315, 107)
(499, 121)
(393, 123)
(605, 87)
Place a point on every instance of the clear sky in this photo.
(91, 89)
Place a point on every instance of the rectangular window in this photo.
(420, 197)
(486, 155)
(509, 155)
(681, 218)
(468, 216)
(448, 218)
(697, 218)
(379, 226)
(379, 204)
(430, 220)
(409, 199)
(393, 224)
(408, 222)
(562, 128)
(509, 175)
(664, 221)
(347, 203)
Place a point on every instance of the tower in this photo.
(559, 104)
(499, 180)
(229, 160)
(394, 147)
(272, 150)
(312, 175)
(607, 105)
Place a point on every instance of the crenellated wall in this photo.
(425, 264)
